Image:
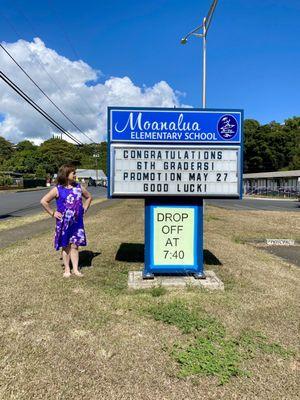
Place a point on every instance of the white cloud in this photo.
(73, 86)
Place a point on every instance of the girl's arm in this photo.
(87, 195)
(46, 200)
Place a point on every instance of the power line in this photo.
(37, 107)
(12, 26)
(42, 91)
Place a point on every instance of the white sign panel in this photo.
(149, 170)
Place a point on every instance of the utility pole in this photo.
(195, 32)
(96, 155)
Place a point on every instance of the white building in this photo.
(88, 175)
(285, 183)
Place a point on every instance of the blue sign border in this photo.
(209, 111)
(150, 267)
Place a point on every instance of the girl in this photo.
(69, 233)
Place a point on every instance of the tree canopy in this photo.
(6, 149)
(270, 147)
(46, 159)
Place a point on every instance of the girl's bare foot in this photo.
(66, 274)
(78, 273)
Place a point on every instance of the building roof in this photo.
(17, 174)
(277, 174)
(90, 173)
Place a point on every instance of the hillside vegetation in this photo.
(269, 147)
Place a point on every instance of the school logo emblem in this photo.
(227, 126)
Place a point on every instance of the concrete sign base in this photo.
(212, 282)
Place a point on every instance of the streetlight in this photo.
(195, 32)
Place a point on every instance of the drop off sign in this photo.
(173, 236)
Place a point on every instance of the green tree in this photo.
(6, 149)
(103, 157)
(24, 161)
(56, 152)
(292, 127)
(40, 172)
(26, 145)
(88, 159)
(271, 147)
(252, 158)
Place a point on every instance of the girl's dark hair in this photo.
(63, 173)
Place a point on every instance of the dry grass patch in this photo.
(15, 222)
(91, 338)
(247, 225)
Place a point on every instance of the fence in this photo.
(33, 182)
(284, 192)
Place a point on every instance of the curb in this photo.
(268, 198)
(23, 190)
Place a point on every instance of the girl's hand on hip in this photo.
(58, 215)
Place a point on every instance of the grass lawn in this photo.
(90, 338)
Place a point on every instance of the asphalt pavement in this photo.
(257, 204)
(24, 232)
(22, 203)
(17, 204)
(290, 254)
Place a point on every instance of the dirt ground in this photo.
(90, 338)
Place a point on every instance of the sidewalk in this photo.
(24, 190)
(270, 198)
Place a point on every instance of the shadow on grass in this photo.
(4, 216)
(86, 257)
(210, 258)
(135, 252)
(131, 252)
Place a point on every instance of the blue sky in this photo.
(253, 46)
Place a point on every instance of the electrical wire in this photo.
(37, 107)
(12, 26)
(43, 92)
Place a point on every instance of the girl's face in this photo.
(72, 176)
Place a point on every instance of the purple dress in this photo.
(70, 229)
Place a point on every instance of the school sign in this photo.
(174, 158)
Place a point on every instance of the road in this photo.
(27, 203)
(257, 204)
(19, 204)
(11, 236)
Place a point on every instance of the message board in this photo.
(173, 236)
(149, 170)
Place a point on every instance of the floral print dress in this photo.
(70, 229)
